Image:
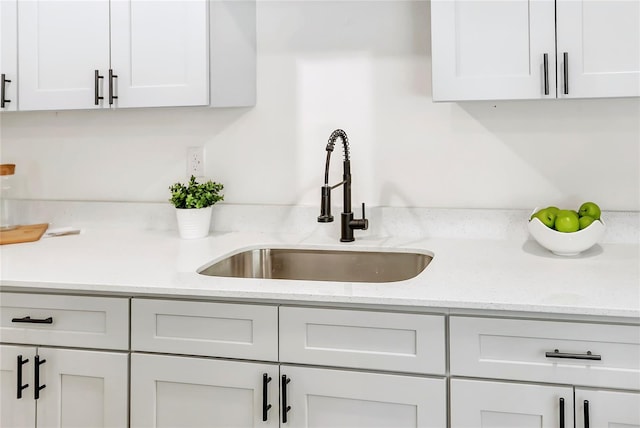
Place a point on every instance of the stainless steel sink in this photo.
(320, 265)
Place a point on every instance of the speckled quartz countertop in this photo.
(512, 274)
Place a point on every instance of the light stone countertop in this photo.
(465, 274)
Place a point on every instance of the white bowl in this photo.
(566, 244)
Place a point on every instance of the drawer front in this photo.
(587, 354)
(361, 339)
(76, 321)
(205, 328)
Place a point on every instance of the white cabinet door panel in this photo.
(16, 412)
(60, 45)
(79, 321)
(336, 398)
(363, 339)
(205, 328)
(83, 389)
(170, 391)
(159, 53)
(484, 49)
(602, 42)
(484, 404)
(9, 53)
(524, 350)
(612, 409)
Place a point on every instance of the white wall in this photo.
(363, 66)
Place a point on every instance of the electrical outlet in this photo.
(195, 161)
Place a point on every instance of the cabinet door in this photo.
(484, 404)
(489, 50)
(61, 44)
(338, 398)
(159, 53)
(597, 408)
(17, 412)
(601, 39)
(172, 391)
(82, 389)
(9, 54)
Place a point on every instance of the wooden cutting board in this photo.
(28, 233)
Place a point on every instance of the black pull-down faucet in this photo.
(348, 223)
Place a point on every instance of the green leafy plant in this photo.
(196, 195)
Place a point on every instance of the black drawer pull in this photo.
(38, 387)
(265, 399)
(562, 413)
(21, 363)
(285, 406)
(569, 355)
(33, 320)
(586, 413)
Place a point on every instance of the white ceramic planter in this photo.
(193, 223)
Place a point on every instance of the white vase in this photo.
(193, 223)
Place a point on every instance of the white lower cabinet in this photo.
(488, 404)
(588, 361)
(63, 388)
(175, 391)
(318, 397)
(17, 407)
(601, 408)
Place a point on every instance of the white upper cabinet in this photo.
(500, 50)
(135, 53)
(8, 55)
(492, 49)
(61, 44)
(601, 40)
(159, 53)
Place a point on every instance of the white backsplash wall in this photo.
(363, 66)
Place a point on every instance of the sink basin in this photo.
(320, 265)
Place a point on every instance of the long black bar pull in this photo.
(586, 413)
(570, 355)
(97, 96)
(111, 77)
(265, 396)
(562, 413)
(565, 58)
(30, 320)
(285, 407)
(3, 82)
(20, 386)
(38, 387)
(545, 60)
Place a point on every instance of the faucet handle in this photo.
(361, 223)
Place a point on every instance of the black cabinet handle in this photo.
(30, 320)
(285, 407)
(3, 81)
(97, 78)
(562, 413)
(586, 413)
(565, 57)
(38, 387)
(265, 398)
(545, 61)
(111, 77)
(569, 355)
(21, 363)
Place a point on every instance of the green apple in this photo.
(585, 221)
(590, 209)
(553, 209)
(567, 221)
(547, 217)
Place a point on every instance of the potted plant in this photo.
(194, 202)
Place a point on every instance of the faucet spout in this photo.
(348, 223)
